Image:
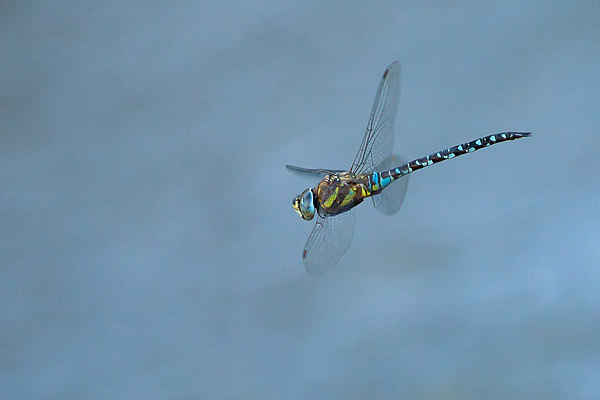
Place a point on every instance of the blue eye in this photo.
(307, 205)
(307, 198)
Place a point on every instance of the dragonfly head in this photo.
(304, 204)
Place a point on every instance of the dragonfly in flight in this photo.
(373, 173)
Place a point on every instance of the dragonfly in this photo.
(375, 173)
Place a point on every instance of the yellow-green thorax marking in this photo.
(337, 193)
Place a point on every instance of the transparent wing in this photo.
(378, 140)
(328, 241)
(390, 200)
(313, 172)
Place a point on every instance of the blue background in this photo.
(148, 244)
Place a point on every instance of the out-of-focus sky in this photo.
(148, 244)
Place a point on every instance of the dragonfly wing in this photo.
(328, 241)
(391, 198)
(313, 172)
(378, 140)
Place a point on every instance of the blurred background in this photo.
(149, 248)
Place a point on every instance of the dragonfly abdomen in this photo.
(380, 180)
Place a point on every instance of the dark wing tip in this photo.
(393, 66)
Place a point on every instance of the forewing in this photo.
(312, 172)
(378, 140)
(390, 199)
(328, 241)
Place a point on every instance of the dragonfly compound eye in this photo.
(307, 205)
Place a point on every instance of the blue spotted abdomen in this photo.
(380, 180)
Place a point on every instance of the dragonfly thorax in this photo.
(304, 204)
